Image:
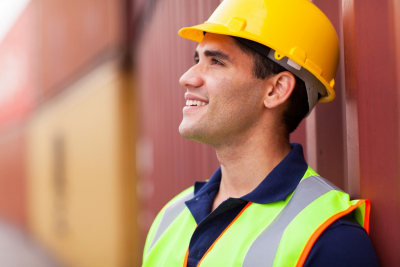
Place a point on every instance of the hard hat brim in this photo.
(196, 33)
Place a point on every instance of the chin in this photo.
(186, 128)
(191, 133)
(187, 131)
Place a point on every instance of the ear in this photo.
(279, 88)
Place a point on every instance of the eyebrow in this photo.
(214, 53)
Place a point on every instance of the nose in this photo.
(191, 78)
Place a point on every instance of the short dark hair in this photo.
(297, 107)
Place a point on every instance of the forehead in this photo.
(218, 41)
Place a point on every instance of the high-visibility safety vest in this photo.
(281, 233)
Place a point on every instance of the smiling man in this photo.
(260, 67)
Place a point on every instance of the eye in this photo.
(216, 62)
(196, 60)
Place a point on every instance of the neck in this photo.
(246, 163)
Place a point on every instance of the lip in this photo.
(190, 96)
(191, 108)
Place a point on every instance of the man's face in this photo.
(223, 99)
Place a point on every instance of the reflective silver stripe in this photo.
(170, 215)
(262, 251)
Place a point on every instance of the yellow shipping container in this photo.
(81, 197)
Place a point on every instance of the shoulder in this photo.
(344, 243)
(176, 204)
(173, 207)
(181, 197)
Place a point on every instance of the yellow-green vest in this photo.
(281, 233)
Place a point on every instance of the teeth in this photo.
(195, 103)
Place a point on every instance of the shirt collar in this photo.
(278, 184)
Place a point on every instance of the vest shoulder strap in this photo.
(315, 204)
(166, 216)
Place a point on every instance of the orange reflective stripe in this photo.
(187, 254)
(322, 227)
(211, 247)
(186, 258)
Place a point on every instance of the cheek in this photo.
(235, 102)
(240, 94)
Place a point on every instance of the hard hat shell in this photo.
(295, 29)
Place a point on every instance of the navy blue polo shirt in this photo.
(344, 243)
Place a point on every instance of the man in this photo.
(260, 67)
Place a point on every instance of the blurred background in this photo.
(89, 111)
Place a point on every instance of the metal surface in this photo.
(18, 62)
(80, 184)
(51, 45)
(299, 136)
(327, 141)
(13, 206)
(17, 99)
(373, 94)
(75, 33)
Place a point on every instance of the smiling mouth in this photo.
(195, 103)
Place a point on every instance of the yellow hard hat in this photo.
(301, 38)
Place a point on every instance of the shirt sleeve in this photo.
(345, 243)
